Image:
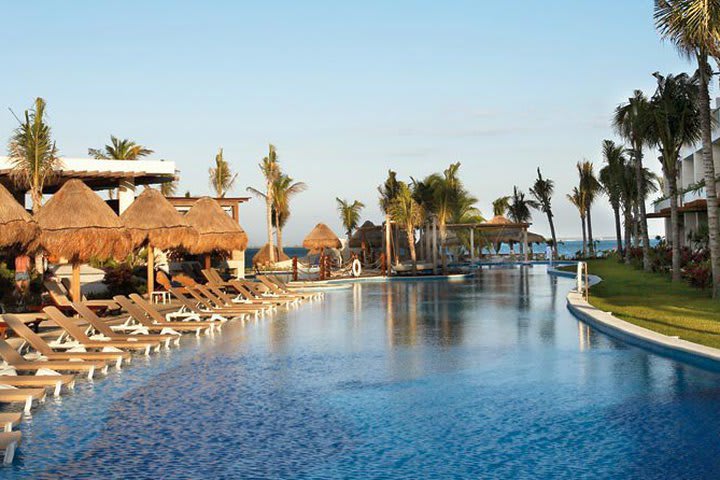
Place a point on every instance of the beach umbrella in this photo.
(153, 222)
(262, 257)
(78, 225)
(217, 231)
(321, 237)
(17, 227)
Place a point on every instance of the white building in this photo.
(691, 200)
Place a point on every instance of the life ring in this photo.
(356, 268)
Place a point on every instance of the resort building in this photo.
(691, 190)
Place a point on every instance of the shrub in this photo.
(120, 280)
(698, 274)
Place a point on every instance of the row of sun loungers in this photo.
(87, 344)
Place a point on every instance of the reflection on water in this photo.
(485, 378)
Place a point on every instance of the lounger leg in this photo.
(147, 351)
(8, 427)
(118, 362)
(91, 372)
(105, 369)
(28, 405)
(9, 453)
(71, 385)
(58, 388)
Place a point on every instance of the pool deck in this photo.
(671, 347)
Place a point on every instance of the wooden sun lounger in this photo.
(60, 298)
(56, 382)
(9, 441)
(41, 346)
(143, 312)
(252, 295)
(215, 301)
(79, 335)
(194, 308)
(104, 329)
(26, 396)
(18, 362)
(10, 419)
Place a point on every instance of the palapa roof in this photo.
(368, 231)
(321, 237)
(76, 224)
(152, 220)
(262, 257)
(216, 230)
(500, 220)
(17, 227)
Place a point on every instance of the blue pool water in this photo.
(486, 378)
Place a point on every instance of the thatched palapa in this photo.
(152, 220)
(76, 224)
(217, 231)
(262, 257)
(321, 237)
(370, 234)
(17, 227)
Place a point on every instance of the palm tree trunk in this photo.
(584, 233)
(278, 233)
(709, 173)
(642, 218)
(36, 198)
(411, 243)
(443, 255)
(268, 217)
(675, 228)
(618, 233)
(552, 233)
(636, 227)
(628, 234)
(591, 243)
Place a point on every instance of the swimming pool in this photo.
(487, 378)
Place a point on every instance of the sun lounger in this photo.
(143, 312)
(56, 382)
(248, 291)
(8, 420)
(20, 364)
(77, 333)
(45, 350)
(25, 396)
(59, 296)
(106, 331)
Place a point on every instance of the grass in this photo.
(652, 301)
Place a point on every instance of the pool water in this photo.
(486, 378)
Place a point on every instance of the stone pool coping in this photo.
(664, 345)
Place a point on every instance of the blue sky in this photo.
(345, 90)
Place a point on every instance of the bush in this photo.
(698, 274)
(120, 280)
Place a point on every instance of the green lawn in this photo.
(652, 301)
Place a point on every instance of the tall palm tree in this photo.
(589, 188)
(694, 27)
(500, 205)
(611, 177)
(270, 168)
(676, 122)
(284, 189)
(578, 199)
(349, 215)
(388, 191)
(124, 149)
(519, 209)
(169, 189)
(33, 154)
(543, 190)
(222, 178)
(406, 211)
(632, 121)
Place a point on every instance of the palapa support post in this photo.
(295, 268)
(388, 257)
(525, 245)
(208, 262)
(434, 245)
(150, 269)
(322, 264)
(75, 290)
(383, 265)
(472, 244)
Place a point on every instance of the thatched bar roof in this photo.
(17, 227)
(372, 235)
(321, 237)
(216, 230)
(152, 220)
(262, 257)
(76, 224)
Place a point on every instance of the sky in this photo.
(345, 90)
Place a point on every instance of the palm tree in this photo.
(406, 211)
(676, 122)
(222, 179)
(543, 190)
(589, 188)
(33, 154)
(632, 121)
(612, 179)
(270, 168)
(578, 199)
(169, 189)
(388, 191)
(349, 215)
(284, 188)
(519, 209)
(500, 205)
(124, 149)
(694, 27)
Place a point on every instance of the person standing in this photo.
(549, 253)
(22, 275)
